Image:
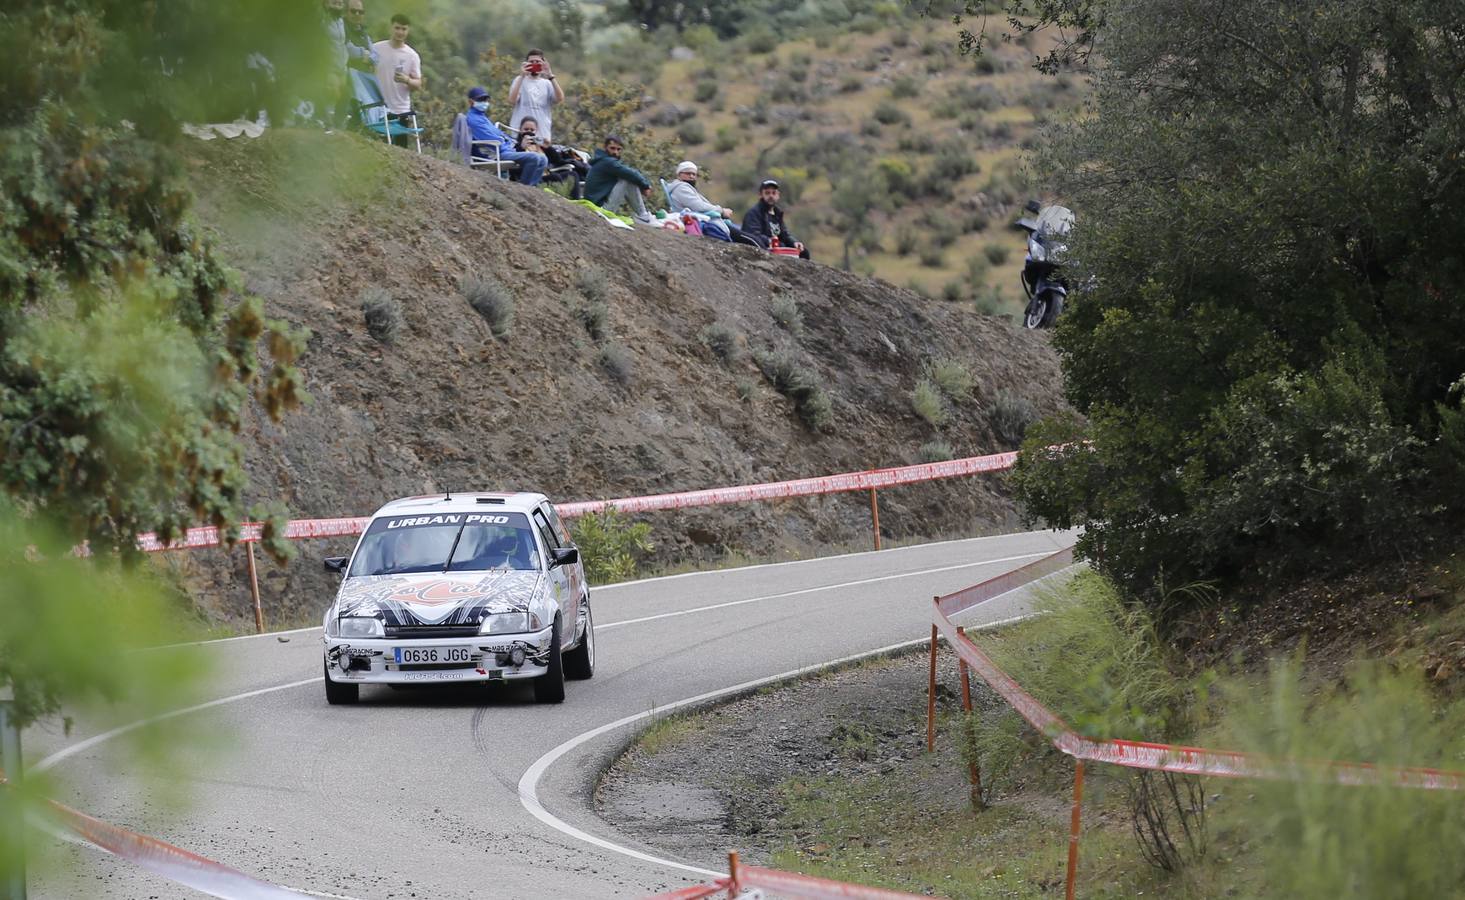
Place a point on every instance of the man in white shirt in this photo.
(534, 93)
(398, 68)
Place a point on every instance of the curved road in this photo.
(419, 793)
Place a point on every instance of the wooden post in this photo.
(1073, 829)
(875, 516)
(974, 771)
(931, 698)
(733, 888)
(12, 810)
(259, 615)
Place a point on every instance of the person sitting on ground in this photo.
(557, 155)
(398, 69)
(611, 183)
(360, 52)
(481, 128)
(764, 222)
(683, 194)
(534, 93)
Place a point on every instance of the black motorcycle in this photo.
(1042, 279)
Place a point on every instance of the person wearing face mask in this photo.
(481, 128)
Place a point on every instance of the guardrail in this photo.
(743, 878)
(1133, 754)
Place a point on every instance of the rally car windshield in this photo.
(446, 542)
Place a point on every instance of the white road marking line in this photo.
(825, 587)
(529, 782)
(76, 748)
(237, 637)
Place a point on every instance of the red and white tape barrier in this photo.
(174, 863)
(302, 529)
(784, 884)
(1143, 754)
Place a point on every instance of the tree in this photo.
(1268, 201)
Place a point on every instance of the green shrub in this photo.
(692, 132)
(491, 300)
(851, 83)
(723, 340)
(935, 451)
(990, 302)
(384, 319)
(927, 402)
(996, 253)
(954, 161)
(906, 239)
(596, 319)
(592, 284)
(760, 40)
(952, 290)
(705, 91)
(747, 388)
(1326, 840)
(932, 256)
(800, 384)
(618, 363)
(954, 378)
(611, 546)
(870, 128)
(1010, 417)
(787, 314)
(727, 139)
(887, 113)
(900, 38)
(798, 74)
(905, 87)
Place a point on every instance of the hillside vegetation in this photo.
(470, 333)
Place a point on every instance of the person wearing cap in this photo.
(764, 222)
(481, 128)
(612, 184)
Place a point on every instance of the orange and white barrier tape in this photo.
(784, 884)
(1143, 754)
(174, 863)
(870, 479)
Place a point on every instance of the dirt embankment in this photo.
(313, 221)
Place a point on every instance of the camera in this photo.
(536, 67)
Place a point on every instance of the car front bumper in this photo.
(373, 660)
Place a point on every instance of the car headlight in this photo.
(361, 627)
(509, 623)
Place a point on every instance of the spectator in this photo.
(334, 101)
(612, 183)
(557, 156)
(398, 69)
(764, 222)
(534, 92)
(531, 165)
(336, 31)
(683, 194)
(360, 54)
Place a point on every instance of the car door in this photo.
(559, 578)
(577, 571)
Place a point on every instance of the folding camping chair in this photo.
(372, 108)
(557, 173)
(479, 154)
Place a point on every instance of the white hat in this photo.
(686, 165)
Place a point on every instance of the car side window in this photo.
(559, 527)
(551, 543)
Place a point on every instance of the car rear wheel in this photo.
(580, 662)
(338, 694)
(550, 687)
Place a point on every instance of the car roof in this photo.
(468, 501)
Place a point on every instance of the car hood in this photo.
(437, 598)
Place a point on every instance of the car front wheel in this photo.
(337, 693)
(550, 687)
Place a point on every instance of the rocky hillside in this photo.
(634, 362)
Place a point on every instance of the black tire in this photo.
(550, 687)
(1036, 312)
(1055, 306)
(339, 694)
(580, 662)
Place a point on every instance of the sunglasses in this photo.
(355, 12)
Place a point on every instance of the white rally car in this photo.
(463, 587)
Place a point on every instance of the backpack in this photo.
(717, 230)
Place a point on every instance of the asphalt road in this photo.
(418, 793)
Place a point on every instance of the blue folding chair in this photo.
(372, 108)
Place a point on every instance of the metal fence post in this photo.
(974, 769)
(733, 887)
(931, 698)
(875, 516)
(259, 614)
(12, 811)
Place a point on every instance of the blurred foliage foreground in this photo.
(128, 355)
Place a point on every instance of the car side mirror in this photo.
(336, 563)
(564, 556)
